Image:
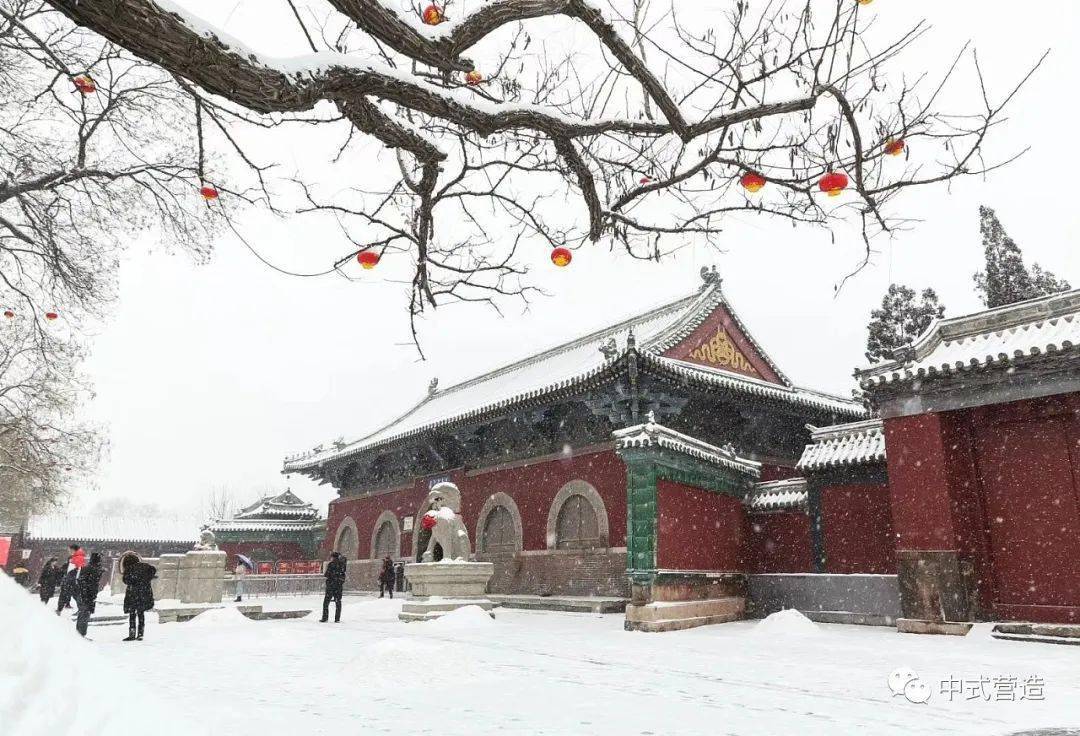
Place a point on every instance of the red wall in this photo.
(280, 550)
(698, 529)
(533, 487)
(918, 483)
(858, 529)
(780, 542)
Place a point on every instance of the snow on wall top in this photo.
(857, 443)
(777, 495)
(575, 362)
(995, 338)
(70, 528)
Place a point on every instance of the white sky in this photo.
(207, 375)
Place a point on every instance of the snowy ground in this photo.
(558, 673)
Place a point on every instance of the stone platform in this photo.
(562, 603)
(441, 587)
(676, 615)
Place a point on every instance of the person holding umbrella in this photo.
(244, 565)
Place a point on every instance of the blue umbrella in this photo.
(246, 561)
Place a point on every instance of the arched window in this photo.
(577, 518)
(498, 534)
(386, 542)
(577, 526)
(348, 542)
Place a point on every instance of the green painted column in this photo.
(641, 478)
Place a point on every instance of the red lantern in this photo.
(833, 183)
(429, 521)
(8, 313)
(368, 259)
(208, 193)
(51, 316)
(474, 78)
(894, 146)
(645, 180)
(561, 257)
(433, 15)
(752, 181)
(865, 2)
(85, 84)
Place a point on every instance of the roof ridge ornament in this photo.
(609, 348)
(433, 386)
(709, 277)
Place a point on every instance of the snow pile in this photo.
(52, 682)
(227, 616)
(466, 617)
(398, 660)
(788, 622)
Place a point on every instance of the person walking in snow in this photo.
(86, 590)
(386, 577)
(76, 561)
(240, 571)
(335, 587)
(50, 577)
(139, 594)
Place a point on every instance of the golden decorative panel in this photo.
(718, 350)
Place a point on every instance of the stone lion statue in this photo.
(207, 541)
(442, 517)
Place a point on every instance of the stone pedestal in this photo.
(201, 577)
(672, 600)
(164, 585)
(441, 587)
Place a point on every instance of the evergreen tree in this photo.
(1006, 279)
(901, 319)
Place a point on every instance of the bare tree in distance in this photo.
(218, 503)
(638, 135)
(44, 447)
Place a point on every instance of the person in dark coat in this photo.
(50, 577)
(139, 594)
(76, 560)
(335, 587)
(86, 590)
(386, 577)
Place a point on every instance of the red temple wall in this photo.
(533, 487)
(280, 550)
(857, 520)
(1001, 485)
(780, 542)
(698, 529)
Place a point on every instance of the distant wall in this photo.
(779, 542)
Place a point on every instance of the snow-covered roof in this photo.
(265, 525)
(996, 338)
(857, 443)
(652, 434)
(69, 528)
(777, 495)
(286, 505)
(574, 364)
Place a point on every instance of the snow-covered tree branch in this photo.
(657, 120)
